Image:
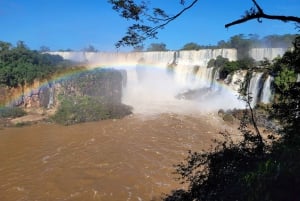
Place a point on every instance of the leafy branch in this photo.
(138, 32)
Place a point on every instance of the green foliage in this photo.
(19, 65)
(11, 112)
(227, 67)
(157, 47)
(191, 46)
(79, 109)
(76, 109)
(285, 79)
(228, 118)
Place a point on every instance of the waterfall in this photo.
(254, 87)
(266, 95)
(51, 96)
(214, 86)
(259, 54)
(189, 58)
(298, 77)
(189, 69)
(184, 57)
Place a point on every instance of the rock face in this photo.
(104, 84)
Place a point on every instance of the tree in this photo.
(19, 65)
(157, 47)
(90, 48)
(191, 46)
(44, 48)
(4, 46)
(147, 21)
(138, 48)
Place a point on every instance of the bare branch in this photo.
(259, 14)
(257, 6)
(265, 16)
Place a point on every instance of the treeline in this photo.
(240, 42)
(252, 40)
(19, 65)
(244, 43)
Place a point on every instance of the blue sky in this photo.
(75, 24)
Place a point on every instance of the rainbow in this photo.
(16, 94)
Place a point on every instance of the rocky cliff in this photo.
(104, 83)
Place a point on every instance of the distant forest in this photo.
(19, 65)
(240, 42)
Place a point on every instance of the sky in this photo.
(76, 24)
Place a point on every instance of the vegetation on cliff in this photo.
(91, 96)
(77, 109)
(19, 65)
(11, 112)
(227, 67)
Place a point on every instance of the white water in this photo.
(259, 54)
(254, 87)
(51, 97)
(150, 88)
(266, 95)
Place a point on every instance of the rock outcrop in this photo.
(104, 85)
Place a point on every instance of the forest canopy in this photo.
(19, 65)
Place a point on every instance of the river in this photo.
(124, 159)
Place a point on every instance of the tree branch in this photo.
(270, 17)
(259, 14)
(153, 30)
(139, 32)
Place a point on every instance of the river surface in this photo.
(126, 159)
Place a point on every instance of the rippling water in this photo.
(127, 159)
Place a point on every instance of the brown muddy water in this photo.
(126, 159)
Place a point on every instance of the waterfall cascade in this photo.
(190, 70)
(259, 54)
(191, 57)
(266, 96)
(254, 87)
(51, 96)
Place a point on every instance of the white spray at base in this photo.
(192, 87)
(151, 90)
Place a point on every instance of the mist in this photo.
(150, 90)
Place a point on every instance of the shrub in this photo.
(11, 112)
(85, 108)
(228, 118)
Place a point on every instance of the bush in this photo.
(83, 109)
(11, 112)
(228, 118)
